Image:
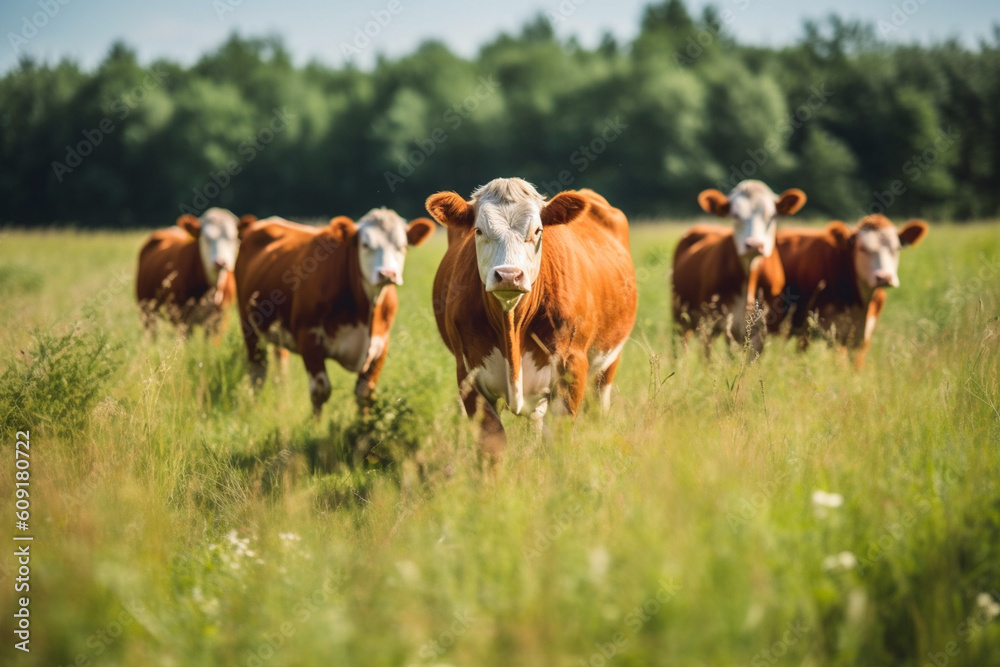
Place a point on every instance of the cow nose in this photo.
(755, 244)
(883, 278)
(508, 277)
(389, 275)
(219, 264)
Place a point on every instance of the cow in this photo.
(531, 321)
(185, 272)
(324, 293)
(720, 272)
(839, 277)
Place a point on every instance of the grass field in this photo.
(178, 520)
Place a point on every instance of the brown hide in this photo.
(584, 299)
(171, 281)
(711, 287)
(296, 282)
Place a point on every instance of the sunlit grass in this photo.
(185, 522)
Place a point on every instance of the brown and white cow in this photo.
(720, 271)
(325, 293)
(530, 320)
(839, 276)
(186, 272)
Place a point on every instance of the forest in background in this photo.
(859, 123)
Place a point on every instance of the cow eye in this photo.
(479, 232)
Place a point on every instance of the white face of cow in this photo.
(507, 216)
(382, 247)
(876, 249)
(509, 248)
(218, 242)
(755, 223)
(754, 208)
(382, 239)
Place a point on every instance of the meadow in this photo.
(790, 511)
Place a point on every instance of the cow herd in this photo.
(534, 298)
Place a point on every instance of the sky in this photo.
(183, 30)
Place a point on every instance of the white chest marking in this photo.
(350, 345)
(601, 361)
(529, 395)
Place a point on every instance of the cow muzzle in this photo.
(886, 279)
(509, 284)
(754, 246)
(389, 277)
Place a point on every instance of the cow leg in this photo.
(314, 358)
(281, 359)
(492, 437)
(575, 379)
(603, 382)
(364, 390)
(256, 354)
(147, 316)
(686, 338)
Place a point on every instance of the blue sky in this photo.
(184, 29)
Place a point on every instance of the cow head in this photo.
(754, 208)
(877, 243)
(217, 240)
(382, 239)
(508, 216)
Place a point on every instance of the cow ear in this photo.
(838, 230)
(190, 224)
(343, 228)
(790, 201)
(714, 202)
(450, 209)
(419, 231)
(913, 232)
(563, 209)
(244, 224)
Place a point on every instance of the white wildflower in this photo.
(823, 502)
(598, 559)
(823, 499)
(986, 605)
(841, 562)
(408, 571)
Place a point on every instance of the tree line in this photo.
(861, 124)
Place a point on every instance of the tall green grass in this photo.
(180, 520)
